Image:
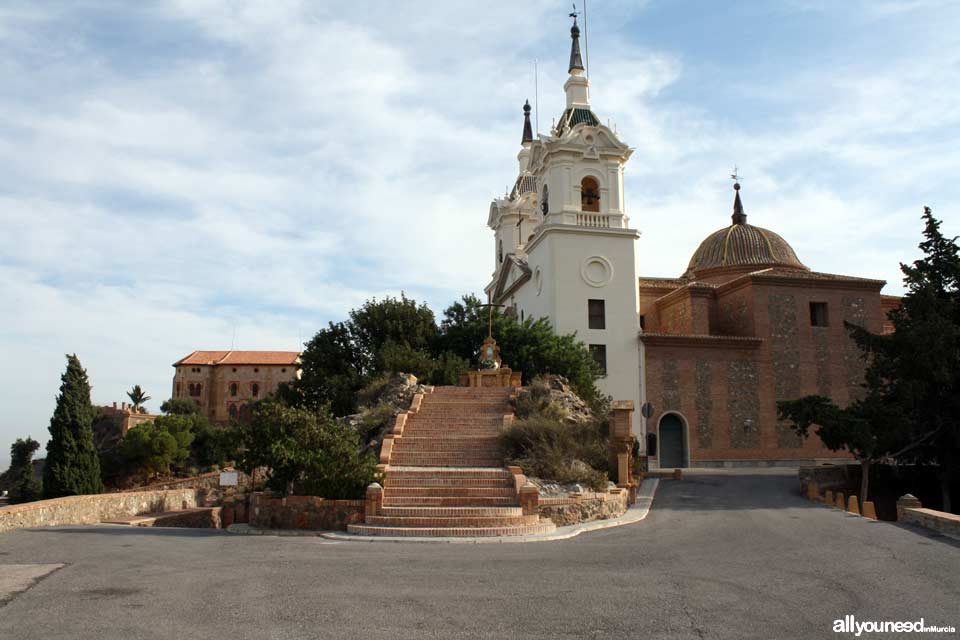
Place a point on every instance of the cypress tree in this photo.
(73, 464)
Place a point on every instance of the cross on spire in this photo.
(576, 62)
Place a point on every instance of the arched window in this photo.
(255, 389)
(233, 388)
(232, 410)
(589, 195)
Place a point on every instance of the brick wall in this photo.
(304, 512)
(94, 508)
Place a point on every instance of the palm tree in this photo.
(137, 396)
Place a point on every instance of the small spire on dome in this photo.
(738, 217)
(527, 129)
(576, 62)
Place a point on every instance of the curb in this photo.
(634, 514)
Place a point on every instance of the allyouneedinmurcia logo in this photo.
(849, 624)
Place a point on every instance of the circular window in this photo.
(596, 271)
(538, 280)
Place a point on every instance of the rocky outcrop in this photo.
(555, 390)
(378, 404)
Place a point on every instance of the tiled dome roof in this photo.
(743, 245)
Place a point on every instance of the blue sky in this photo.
(179, 172)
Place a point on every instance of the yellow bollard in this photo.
(840, 503)
(853, 505)
(828, 497)
(813, 491)
(869, 511)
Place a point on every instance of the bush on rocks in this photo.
(556, 437)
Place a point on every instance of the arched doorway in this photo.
(673, 442)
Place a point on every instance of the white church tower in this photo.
(563, 246)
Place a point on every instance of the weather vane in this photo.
(735, 176)
(573, 14)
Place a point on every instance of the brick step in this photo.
(459, 532)
(465, 492)
(471, 457)
(451, 521)
(466, 437)
(433, 481)
(497, 471)
(484, 447)
(458, 419)
(469, 393)
(450, 432)
(441, 512)
(499, 400)
(449, 501)
(435, 460)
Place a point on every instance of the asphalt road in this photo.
(720, 556)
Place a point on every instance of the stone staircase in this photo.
(445, 473)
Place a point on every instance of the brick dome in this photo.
(742, 245)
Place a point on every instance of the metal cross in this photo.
(490, 307)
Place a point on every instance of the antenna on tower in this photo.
(586, 40)
(536, 96)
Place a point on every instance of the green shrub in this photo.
(447, 368)
(553, 450)
(157, 449)
(536, 400)
(305, 449)
(180, 406)
(373, 390)
(375, 419)
(24, 485)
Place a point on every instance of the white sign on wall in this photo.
(228, 479)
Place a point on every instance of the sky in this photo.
(201, 174)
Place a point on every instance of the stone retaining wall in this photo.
(304, 512)
(584, 507)
(941, 521)
(93, 509)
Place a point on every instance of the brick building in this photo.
(710, 352)
(221, 382)
(747, 325)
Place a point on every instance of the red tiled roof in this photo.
(240, 358)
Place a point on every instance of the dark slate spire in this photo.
(576, 62)
(738, 217)
(527, 129)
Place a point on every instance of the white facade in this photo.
(574, 244)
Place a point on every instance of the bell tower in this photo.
(575, 261)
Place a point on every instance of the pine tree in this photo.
(73, 464)
(927, 351)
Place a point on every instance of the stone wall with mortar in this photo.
(93, 509)
(303, 512)
(584, 507)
